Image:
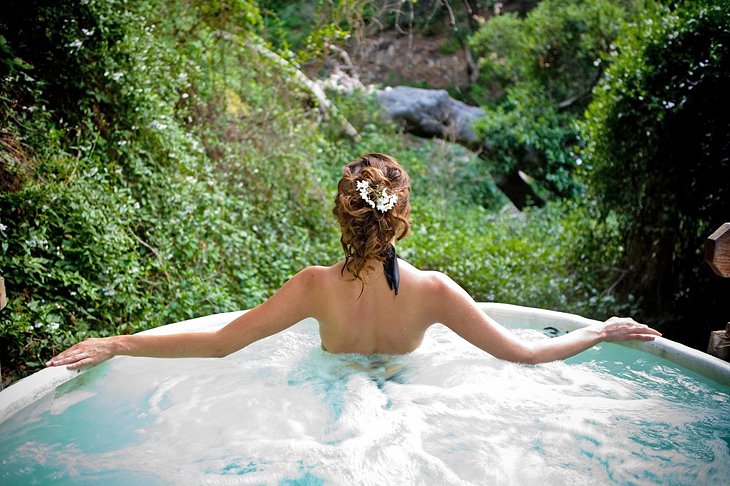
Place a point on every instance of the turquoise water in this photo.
(285, 412)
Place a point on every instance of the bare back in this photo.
(376, 320)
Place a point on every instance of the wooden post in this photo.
(717, 250)
(3, 297)
(720, 343)
(717, 255)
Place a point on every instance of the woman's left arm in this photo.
(451, 305)
(615, 329)
(294, 301)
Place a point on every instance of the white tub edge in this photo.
(25, 391)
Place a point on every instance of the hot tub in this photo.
(282, 411)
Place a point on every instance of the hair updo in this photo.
(366, 231)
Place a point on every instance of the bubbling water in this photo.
(282, 411)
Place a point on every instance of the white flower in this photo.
(385, 202)
(53, 326)
(3, 227)
(363, 187)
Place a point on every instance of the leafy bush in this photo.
(162, 183)
(536, 259)
(541, 70)
(657, 144)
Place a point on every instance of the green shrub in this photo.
(657, 143)
(540, 71)
(162, 183)
(537, 259)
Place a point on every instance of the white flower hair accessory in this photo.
(384, 202)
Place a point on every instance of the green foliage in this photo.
(657, 145)
(544, 258)
(544, 66)
(161, 174)
(525, 133)
(306, 27)
(558, 46)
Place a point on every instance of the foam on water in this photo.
(283, 411)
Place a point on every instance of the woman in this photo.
(359, 308)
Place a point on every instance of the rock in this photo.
(432, 113)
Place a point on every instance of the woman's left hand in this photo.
(89, 352)
(617, 329)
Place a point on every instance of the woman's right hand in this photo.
(89, 352)
(618, 329)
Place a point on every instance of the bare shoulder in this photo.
(431, 284)
(302, 289)
(310, 277)
(312, 272)
(440, 297)
(426, 279)
(316, 278)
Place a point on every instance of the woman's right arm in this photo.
(453, 306)
(294, 301)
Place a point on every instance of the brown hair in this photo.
(367, 232)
